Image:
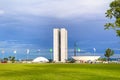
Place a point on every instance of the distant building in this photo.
(60, 48)
(40, 59)
(85, 58)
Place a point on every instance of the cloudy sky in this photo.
(29, 24)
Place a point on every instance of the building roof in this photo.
(86, 58)
(40, 59)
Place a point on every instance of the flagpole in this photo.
(94, 49)
(51, 51)
(75, 45)
(15, 52)
(38, 52)
(28, 51)
(3, 53)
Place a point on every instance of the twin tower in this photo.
(60, 48)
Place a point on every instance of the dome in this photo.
(40, 59)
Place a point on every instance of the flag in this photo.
(94, 49)
(28, 51)
(78, 49)
(14, 51)
(2, 51)
(51, 50)
(38, 50)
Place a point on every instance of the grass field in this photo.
(59, 71)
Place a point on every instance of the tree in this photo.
(113, 13)
(102, 59)
(108, 53)
(12, 59)
(5, 59)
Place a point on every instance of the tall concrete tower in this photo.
(60, 49)
(56, 46)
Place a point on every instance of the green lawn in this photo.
(59, 71)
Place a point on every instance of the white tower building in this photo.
(56, 45)
(60, 45)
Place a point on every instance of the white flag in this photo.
(94, 49)
(14, 51)
(28, 51)
(2, 51)
(38, 50)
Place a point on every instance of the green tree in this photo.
(113, 13)
(102, 59)
(12, 59)
(108, 53)
(5, 59)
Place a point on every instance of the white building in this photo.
(40, 59)
(85, 58)
(60, 45)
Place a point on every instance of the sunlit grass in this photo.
(59, 71)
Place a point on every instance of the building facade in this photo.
(60, 45)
